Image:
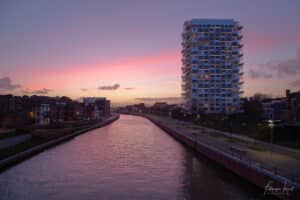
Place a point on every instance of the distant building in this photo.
(162, 108)
(272, 109)
(5, 103)
(139, 108)
(293, 105)
(252, 109)
(53, 109)
(96, 107)
(17, 111)
(160, 105)
(285, 109)
(42, 114)
(103, 107)
(78, 111)
(212, 66)
(58, 111)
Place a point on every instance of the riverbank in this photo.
(249, 160)
(37, 148)
(131, 158)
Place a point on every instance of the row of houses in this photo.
(256, 109)
(25, 110)
(286, 109)
(158, 108)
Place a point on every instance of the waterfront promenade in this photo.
(278, 160)
(11, 141)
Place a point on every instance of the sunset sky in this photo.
(129, 51)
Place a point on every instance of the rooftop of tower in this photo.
(213, 21)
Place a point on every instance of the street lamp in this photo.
(271, 126)
(198, 118)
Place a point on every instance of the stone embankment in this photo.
(5, 163)
(269, 181)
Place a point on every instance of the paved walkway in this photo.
(280, 160)
(4, 131)
(5, 143)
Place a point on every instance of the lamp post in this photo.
(271, 126)
(198, 118)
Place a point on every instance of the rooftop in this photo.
(213, 21)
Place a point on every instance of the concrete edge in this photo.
(248, 172)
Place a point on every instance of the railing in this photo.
(277, 173)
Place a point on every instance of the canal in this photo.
(129, 159)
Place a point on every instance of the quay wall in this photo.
(252, 173)
(8, 162)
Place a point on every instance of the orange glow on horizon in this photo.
(125, 71)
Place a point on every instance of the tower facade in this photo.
(212, 66)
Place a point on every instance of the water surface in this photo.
(129, 159)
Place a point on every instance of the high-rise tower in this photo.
(212, 65)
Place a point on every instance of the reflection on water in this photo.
(129, 159)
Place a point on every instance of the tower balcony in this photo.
(240, 46)
(185, 70)
(186, 35)
(186, 78)
(187, 73)
(183, 51)
(186, 84)
(186, 54)
(186, 81)
(184, 88)
(185, 61)
(185, 94)
(240, 37)
(193, 40)
(186, 44)
(235, 71)
(241, 73)
(188, 50)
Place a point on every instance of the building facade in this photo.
(43, 114)
(292, 100)
(272, 109)
(212, 66)
(96, 107)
